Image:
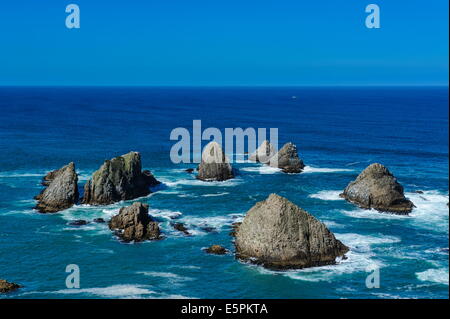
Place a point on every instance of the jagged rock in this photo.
(119, 179)
(189, 170)
(99, 220)
(278, 234)
(288, 159)
(377, 188)
(8, 286)
(79, 222)
(214, 166)
(133, 223)
(263, 153)
(234, 227)
(61, 192)
(216, 250)
(180, 227)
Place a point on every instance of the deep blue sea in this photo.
(338, 132)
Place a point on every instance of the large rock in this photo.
(61, 192)
(264, 152)
(214, 166)
(7, 286)
(288, 159)
(133, 223)
(377, 188)
(119, 179)
(278, 234)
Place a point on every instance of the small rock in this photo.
(234, 227)
(419, 192)
(264, 152)
(98, 220)
(133, 223)
(189, 170)
(79, 222)
(8, 286)
(216, 250)
(180, 227)
(208, 229)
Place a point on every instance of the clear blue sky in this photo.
(224, 42)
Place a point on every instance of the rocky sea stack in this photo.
(288, 159)
(133, 223)
(280, 235)
(7, 286)
(120, 178)
(377, 188)
(263, 154)
(61, 191)
(214, 166)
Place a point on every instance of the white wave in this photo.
(327, 195)
(215, 195)
(261, 169)
(196, 182)
(18, 175)
(310, 169)
(115, 291)
(439, 276)
(195, 223)
(359, 258)
(166, 275)
(431, 211)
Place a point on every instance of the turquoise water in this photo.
(338, 131)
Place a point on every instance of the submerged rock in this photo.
(79, 222)
(288, 159)
(8, 286)
(189, 170)
(377, 188)
(278, 234)
(180, 227)
(99, 220)
(215, 166)
(133, 223)
(234, 227)
(119, 179)
(264, 153)
(61, 192)
(216, 250)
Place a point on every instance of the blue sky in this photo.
(233, 42)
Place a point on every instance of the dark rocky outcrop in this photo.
(216, 250)
(8, 286)
(99, 220)
(189, 170)
(78, 222)
(61, 191)
(180, 227)
(278, 234)
(133, 223)
(263, 153)
(288, 159)
(214, 166)
(377, 188)
(119, 179)
(234, 227)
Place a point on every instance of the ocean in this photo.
(338, 131)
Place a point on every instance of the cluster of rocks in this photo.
(274, 233)
(133, 223)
